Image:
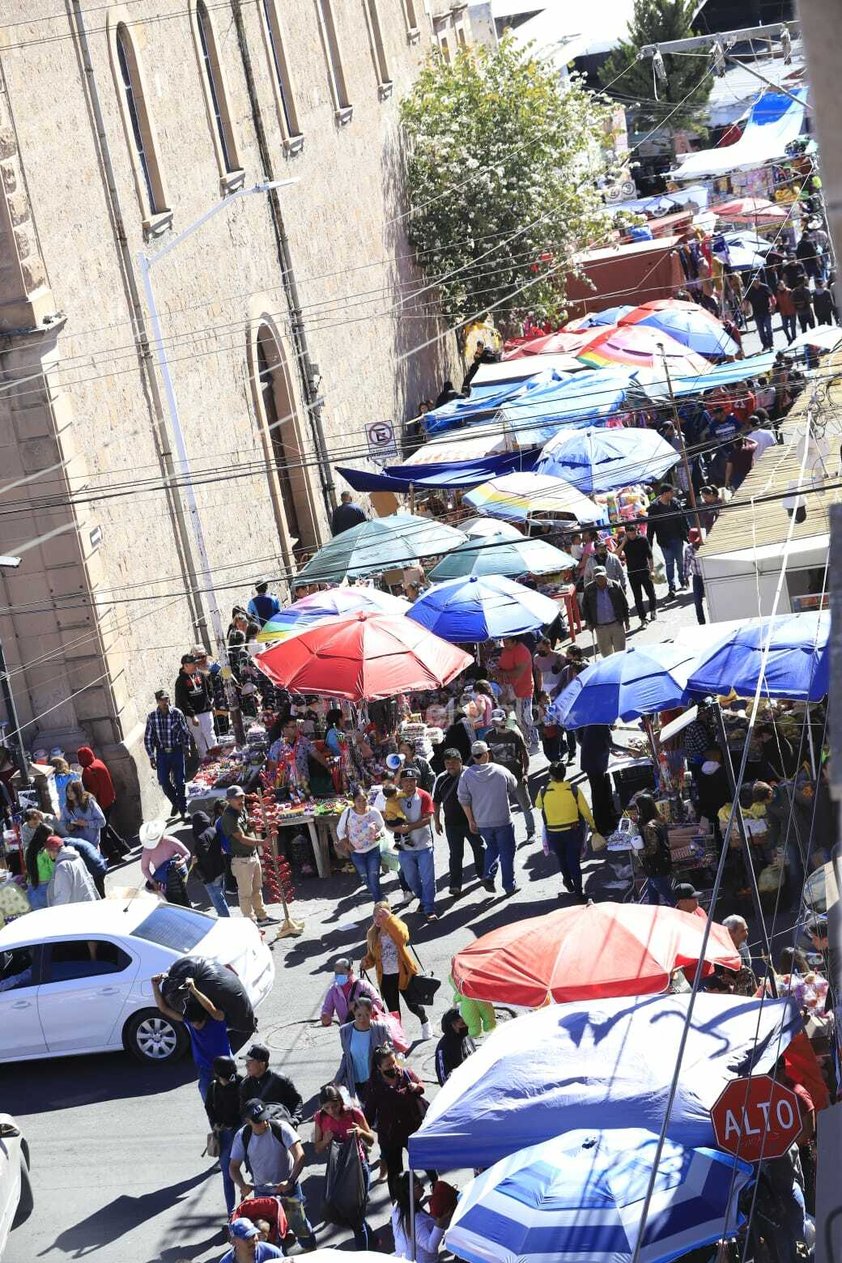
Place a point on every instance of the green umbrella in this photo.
(383, 543)
(498, 554)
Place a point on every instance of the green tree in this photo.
(503, 166)
(653, 22)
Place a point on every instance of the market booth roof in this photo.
(362, 658)
(605, 949)
(382, 543)
(583, 1065)
(775, 120)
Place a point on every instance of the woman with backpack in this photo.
(565, 810)
(656, 857)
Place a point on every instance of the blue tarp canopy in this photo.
(599, 1063)
(466, 473)
(485, 401)
(722, 374)
(581, 401)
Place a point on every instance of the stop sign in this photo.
(756, 1118)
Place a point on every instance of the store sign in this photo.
(756, 1118)
(382, 442)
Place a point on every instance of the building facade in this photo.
(206, 296)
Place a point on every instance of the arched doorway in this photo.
(277, 409)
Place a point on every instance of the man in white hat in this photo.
(165, 862)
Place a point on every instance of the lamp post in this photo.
(12, 563)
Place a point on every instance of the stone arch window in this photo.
(284, 97)
(140, 132)
(216, 94)
(276, 410)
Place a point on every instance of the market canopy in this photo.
(724, 374)
(485, 403)
(382, 543)
(774, 122)
(331, 604)
(480, 608)
(362, 658)
(797, 665)
(626, 685)
(582, 1065)
(535, 416)
(595, 460)
(516, 496)
(456, 473)
(494, 555)
(580, 1197)
(585, 952)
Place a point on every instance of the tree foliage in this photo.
(503, 165)
(654, 22)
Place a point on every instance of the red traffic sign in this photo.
(756, 1118)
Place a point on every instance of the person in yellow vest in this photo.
(566, 811)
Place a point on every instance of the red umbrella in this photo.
(751, 209)
(363, 657)
(558, 343)
(582, 953)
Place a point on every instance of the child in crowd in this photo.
(393, 813)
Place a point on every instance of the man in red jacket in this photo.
(97, 781)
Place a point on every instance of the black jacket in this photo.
(666, 522)
(273, 1087)
(193, 694)
(451, 1051)
(222, 1104)
(207, 848)
(618, 602)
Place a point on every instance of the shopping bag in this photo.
(389, 857)
(345, 1188)
(397, 1035)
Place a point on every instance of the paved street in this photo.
(116, 1147)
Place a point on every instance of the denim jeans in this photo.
(565, 845)
(698, 597)
(525, 804)
(216, 894)
(205, 1080)
(763, 321)
(169, 766)
(659, 890)
(788, 326)
(526, 720)
(226, 1139)
(456, 836)
(367, 864)
(418, 867)
(673, 558)
(500, 852)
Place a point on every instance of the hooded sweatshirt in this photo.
(71, 882)
(487, 788)
(96, 777)
(451, 1051)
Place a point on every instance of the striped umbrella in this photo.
(499, 556)
(686, 323)
(336, 601)
(641, 347)
(515, 496)
(580, 1196)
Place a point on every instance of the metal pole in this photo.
(741, 826)
(691, 493)
(11, 711)
(725, 38)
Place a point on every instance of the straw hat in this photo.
(151, 833)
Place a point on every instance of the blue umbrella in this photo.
(582, 1064)
(580, 1196)
(600, 459)
(466, 611)
(608, 316)
(626, 685)
(690, 325)
(797, 667)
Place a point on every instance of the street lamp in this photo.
(12, 563)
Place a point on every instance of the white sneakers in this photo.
(426, 1032)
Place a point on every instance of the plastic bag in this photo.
(598, 842)
(388, 855)
(220, 985)
(397, 1035)
(345, 1191)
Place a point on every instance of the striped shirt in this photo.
(165, 731)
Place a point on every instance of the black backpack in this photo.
(277, 1115)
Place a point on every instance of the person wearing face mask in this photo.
(610, 562)
(396, 1107)
(344, 991)
(454, 1046)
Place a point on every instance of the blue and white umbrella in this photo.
(481, 607)
(603, 458)
(797, 665)
(626, 685)
(580, 1196)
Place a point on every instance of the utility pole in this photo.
(725, 39)
(691, 491)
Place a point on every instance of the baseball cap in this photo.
(598, 570)
(161, 693)
(479, 747)
(410, 771)
(257, 1052)
(684, 890)
(243, 1230)
(234, 791)
(255, 1110)
(499, 713)
(187, 657)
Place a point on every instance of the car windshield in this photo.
(176, 928)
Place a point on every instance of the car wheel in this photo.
(26, 1201)
(150, 1036)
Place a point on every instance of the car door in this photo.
(21, 1034)
(85, 984)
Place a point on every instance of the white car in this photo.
(15, 1187)
(75, 979)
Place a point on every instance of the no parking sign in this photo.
(382, 443)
